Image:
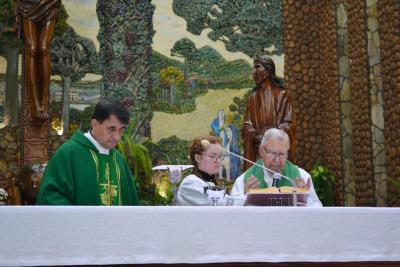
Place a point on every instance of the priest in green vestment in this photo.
(88, 170)
(274, 149)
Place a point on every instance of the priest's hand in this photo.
(251, 183)
(300, 183)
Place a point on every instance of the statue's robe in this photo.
(267, 108)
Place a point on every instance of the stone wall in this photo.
(346, 126)
(389, 31)
(311, 77)
(376, 103)
(10, 159)
(360, 94)
(341, 66)
(302, 77)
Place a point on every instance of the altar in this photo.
(214, 236)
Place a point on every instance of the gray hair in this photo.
(275, 133)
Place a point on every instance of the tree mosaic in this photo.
(72, 56)
(203, 69)
(186, 49)
(173, 77)
(252, 27)
(125, 36)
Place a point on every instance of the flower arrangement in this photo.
(3, 196)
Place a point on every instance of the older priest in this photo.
(274, 150)
(88, 170)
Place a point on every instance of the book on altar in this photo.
(273, 196)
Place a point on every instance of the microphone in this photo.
(275, 179)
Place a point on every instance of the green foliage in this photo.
(6, 17)
(171, 75)
(150, 196)
(159, 62)
(61, 24)
(251, 27)
(8, 37)
(55, 108)
(210, 55)
(171, 150)
(138, 159)
(393, 198)
(187, 49)
(176, 108)
(238, 107)
(324, 183)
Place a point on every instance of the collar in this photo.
(101, 149)
(205, 176)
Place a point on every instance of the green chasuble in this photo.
(78, 174)
(289, 169)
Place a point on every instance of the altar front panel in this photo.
(66, 235)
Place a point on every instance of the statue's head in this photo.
(264, 68)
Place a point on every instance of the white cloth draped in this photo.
(68, 235)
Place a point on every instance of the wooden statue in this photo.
(268, 106)
(35, 21)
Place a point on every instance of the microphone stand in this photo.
(207, 143)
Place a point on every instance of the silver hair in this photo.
(275, 133)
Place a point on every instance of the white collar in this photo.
(267, 177)
(101, 149)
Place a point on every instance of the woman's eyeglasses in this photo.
(215, 157)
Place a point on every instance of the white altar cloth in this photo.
(67, 235)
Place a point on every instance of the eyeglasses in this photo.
(215, 157)
(276, 154)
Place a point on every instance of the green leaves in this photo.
(138, 159)
(252, 27)
(171, 150)
(323, 181)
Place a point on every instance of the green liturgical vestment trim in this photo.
(289, 169)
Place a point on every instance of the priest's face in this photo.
(274, 154)
(108, 133)
(209, 160)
